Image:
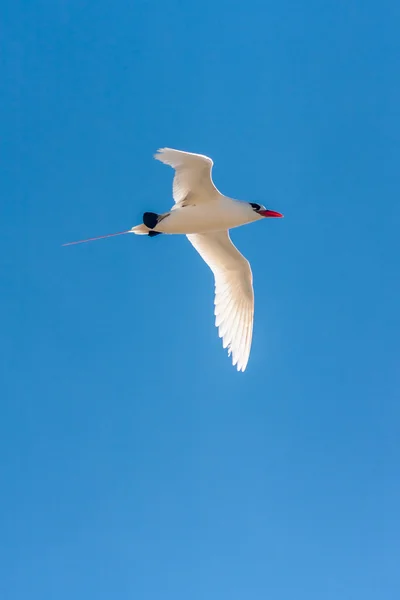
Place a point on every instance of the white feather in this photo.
(192, 180)
(234, 297)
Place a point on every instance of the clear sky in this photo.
(135, 462)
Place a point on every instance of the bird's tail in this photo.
(140, 229)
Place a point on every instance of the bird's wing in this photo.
(234, 297)
(192, 181)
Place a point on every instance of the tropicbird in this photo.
(205, 216)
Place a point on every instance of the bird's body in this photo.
(219, 214)
(205, 216)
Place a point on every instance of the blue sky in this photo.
(135, 462)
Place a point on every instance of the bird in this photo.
(205, 216)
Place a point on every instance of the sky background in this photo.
(135, 462)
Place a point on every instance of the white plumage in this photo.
(205, 216)
(234, 297)
(192, 175)
(198, 200)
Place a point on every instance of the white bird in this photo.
(205, 216)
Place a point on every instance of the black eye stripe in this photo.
(255, 206)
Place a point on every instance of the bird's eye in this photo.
(255, 206)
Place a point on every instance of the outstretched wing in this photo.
(234, 297)
(192, 182)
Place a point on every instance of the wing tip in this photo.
(158, 155)
(166, 156)
(162, 155)
(241, 365)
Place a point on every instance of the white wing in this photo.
(192, 181)
(234, 297)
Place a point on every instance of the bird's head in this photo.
(264, 212)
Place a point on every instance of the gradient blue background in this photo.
(135, 461)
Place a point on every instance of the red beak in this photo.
(269, 213)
